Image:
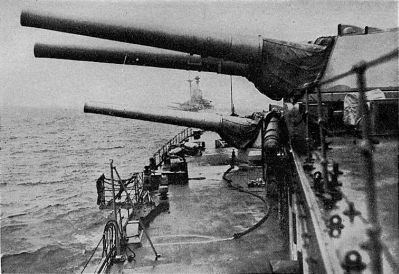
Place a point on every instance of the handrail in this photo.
(178, 138)
(374, 232)
(132, 185)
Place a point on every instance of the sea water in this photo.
(51, 159)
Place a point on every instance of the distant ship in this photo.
(196, 102)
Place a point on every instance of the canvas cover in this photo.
(289, 67)
(351, 105)
(239, 134)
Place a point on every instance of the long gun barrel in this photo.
(237, 131)
(140, 58)
(278, 69)
(240, 50)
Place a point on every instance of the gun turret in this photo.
(237, 131)
(277, 68)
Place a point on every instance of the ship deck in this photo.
(346, 152)
(196, 235)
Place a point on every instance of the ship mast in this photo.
(198, 92)
(191, 93)
(231, 97)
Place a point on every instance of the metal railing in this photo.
(374, 232)
(130, 192)
(133, 185)
(183, 135)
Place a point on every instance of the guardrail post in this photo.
(118, 249)
(321, 123)
(309, 159)
(367, 151)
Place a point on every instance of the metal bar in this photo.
(264, 177)
(120, 222)
(142, 226)
(105, 261)
(149, 240)
(124, 188)
(118, 250)
(367, 151)
(136, 191)
(309, 154)
(322, 139)
(346, 90)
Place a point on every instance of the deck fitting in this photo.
(317, 182)
(351, 212)
(353, 262)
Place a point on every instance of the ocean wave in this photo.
(71, 197)
(16, 215)
(71, 212)
(45, 150)
(17, 152)
(48, 259)
(56, 119)
(109, 148)
(54, 205)
(78, 153)
(7, 229)
(41, 183)
(44, 212)
(95, 224)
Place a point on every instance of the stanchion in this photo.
(374, 246)
(321, 123)
(309, 159)
(118, 248)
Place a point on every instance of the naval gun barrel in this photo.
(278, 69)
(237, 49)
(237, 131)
(173, 60)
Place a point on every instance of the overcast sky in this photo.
(27, 81)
